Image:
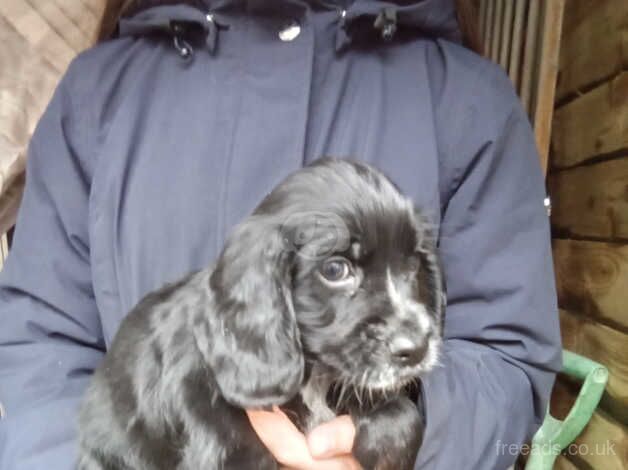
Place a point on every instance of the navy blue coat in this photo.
(157, 142)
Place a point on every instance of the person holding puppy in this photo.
(168, 132)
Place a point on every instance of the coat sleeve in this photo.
(502, 344)
(50, 338)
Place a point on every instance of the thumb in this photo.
(332, 438)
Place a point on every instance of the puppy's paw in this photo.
(389, 436)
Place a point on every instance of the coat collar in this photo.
(432, 17)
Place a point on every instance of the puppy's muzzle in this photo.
(406, 351)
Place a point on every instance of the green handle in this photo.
(555, 435)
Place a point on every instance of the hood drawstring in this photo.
(356, 21)
(342, 36)
(181, 24)
(183, 47)
(210, 28)
(212, 32)
(385, 22)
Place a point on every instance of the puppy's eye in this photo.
(335, 270)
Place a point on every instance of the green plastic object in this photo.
(555, 435)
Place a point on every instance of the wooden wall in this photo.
(588, 184)
(523, 36)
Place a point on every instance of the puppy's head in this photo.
(336, 268)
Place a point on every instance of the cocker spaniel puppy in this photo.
(328, 299)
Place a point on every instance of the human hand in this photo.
(326, 447)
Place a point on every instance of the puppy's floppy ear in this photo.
(254, 347)
(431, 273)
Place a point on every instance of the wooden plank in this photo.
(497, 30)
(602, 445)
(563, 396)
(60, 23)
(34, 28)
(594, 44)
(10, 199)
(606, 346)
(517, 40)
(594, 124)
(530, 56)
(591, 201)
(482, 17)
(563, 464)
(96, 7)
(546, 80)
(81, 16)
(505, 33)
(592, 278)
(4, 249)
(488, 37)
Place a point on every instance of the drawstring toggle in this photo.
(386, 22)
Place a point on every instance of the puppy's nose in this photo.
(406, 351)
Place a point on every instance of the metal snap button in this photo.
(290, 31)
(547, 202)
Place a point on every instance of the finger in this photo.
(281, 437)
(332, 438)
(344, 462)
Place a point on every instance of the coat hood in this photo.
(187, 23)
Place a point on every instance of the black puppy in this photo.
(328, 299)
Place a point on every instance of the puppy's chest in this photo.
(312, 407)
